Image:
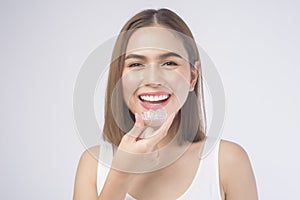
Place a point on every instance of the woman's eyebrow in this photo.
(169, 54)
(136, 56)
(160, 57)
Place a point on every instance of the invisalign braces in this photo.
(159, 114)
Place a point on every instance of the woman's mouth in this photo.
(154, 100)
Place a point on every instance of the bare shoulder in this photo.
(90, 155)
(236, 174)
(88, 162)
(231, 152)
(86, 175)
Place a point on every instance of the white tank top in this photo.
(205, 185)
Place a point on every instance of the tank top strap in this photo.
(104, 163)
(206, 181)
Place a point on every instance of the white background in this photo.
(254, 45)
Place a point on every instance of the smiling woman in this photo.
(155, 124)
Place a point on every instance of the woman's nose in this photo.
(152, 75)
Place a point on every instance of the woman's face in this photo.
(156, 72)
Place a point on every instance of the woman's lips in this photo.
(154, 104)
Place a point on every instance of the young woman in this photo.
(154, 127)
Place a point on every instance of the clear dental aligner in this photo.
(159, 114)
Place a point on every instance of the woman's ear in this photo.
(194, 75)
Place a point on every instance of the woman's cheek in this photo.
(130, 82)
(179, 83)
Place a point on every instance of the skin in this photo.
(153, 74)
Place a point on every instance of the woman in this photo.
(155, 124)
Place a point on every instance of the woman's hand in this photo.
(136, 154)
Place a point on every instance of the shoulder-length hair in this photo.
(190, 121)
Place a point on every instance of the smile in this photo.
(160, 98)
(154, 100)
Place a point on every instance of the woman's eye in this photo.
(170, 63)
(135, 65)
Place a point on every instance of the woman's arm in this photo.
(116, 185)
(236, 174)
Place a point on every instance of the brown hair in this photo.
(190, 121)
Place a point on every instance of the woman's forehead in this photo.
(158, 38)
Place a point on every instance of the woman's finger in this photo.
(160, 133)
(138, 127)
(148, 132)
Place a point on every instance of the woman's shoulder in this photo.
(91, 153)
(88, 163)
(89, 159)
(86, 173)
(236, 174)
(232, 152)
(232, 157)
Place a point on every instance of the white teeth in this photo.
(154, 98)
